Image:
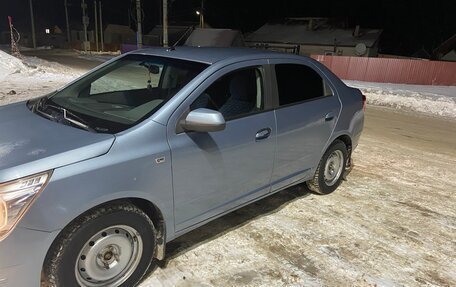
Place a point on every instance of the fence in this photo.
(388, 70)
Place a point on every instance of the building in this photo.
(316, 36)
(176, 33)
(209, 37)
(119, 34)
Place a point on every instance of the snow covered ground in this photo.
(33, 67)
(432, 100)
(22, 79)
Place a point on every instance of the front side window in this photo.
(121, 94)
(234, 95)
(297, 83)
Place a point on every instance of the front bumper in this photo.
(22, 255)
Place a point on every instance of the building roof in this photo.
(215, 38)
(301, 34)
(446, 47)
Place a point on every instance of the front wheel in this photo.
(109, 246)
(328, 175)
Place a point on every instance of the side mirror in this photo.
(203, 120)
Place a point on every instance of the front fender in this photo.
(129, 170)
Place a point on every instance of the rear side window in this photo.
(297, 83)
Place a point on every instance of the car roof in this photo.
(211, 55)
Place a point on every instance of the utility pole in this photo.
(202, 14)
(101, 27)
(160, 20)
(33, 24)
(85, 23)
(138, 24)
(165, 23)
(67, 22)
(96, 24)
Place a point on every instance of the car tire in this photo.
(330, 170)
(112, 245)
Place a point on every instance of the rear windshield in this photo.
(125, 92)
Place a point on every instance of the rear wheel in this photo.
(328, 175)
(110, 246)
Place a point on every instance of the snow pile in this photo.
(10, 65)
(432, 100)
(22, 79)
(33, 66)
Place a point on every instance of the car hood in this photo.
(31, 144)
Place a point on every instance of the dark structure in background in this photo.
(307, 36)
(407, 26)
(447, 50)
(210, 37)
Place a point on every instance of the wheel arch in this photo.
(149, 208)
(346, 139)
(318, 183)
(157, 218)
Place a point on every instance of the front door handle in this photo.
(329, 116)
(263, 134)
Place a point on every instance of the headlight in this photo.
(16, 197)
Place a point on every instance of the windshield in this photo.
(121, 94)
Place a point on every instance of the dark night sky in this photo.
(407, 27)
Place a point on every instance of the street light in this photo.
(201, 16)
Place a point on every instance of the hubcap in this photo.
(109, 257)
(333, 167)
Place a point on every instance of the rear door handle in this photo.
(263, 134)
(329, 116)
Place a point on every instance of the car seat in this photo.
(242, 95)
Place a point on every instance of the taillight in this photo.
(364, 102)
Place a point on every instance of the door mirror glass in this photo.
(203, 120)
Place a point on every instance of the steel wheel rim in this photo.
(333, 167)
(109, 257)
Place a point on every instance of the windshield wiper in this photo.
(67, 116)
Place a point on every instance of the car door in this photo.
(307, 109)
(214, 172)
